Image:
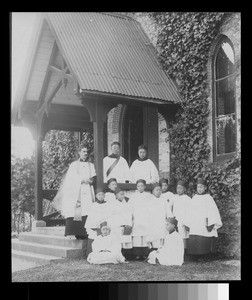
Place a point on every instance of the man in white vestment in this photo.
(115, 166)
(76, 194)
(143, 167)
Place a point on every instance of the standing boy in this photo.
(115, 166)
(203, 221)
(181, 206)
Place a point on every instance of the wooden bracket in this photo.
(98, 108)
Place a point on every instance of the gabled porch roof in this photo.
(106, 54)
(111, 54)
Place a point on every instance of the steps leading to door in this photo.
(35, 257)
(55, 240)
(46, 244)
(53, 250)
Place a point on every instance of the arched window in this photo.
(224, 104)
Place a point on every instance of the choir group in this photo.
(156, 226)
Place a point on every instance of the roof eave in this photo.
(125, 98)
(19, 96)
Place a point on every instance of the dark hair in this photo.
(201, 180)
(154, 185)
(181, 182)
(80, 147)
(142, 147)
(116, 143)
(99, 190)
(163, 180)
(141, 180)
(111, 180)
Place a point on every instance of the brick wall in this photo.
(164, 149)
(113, 123)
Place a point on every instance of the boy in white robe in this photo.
(143, 167)
(97, 214)
(120, 219)
(172, 252)
(203, 221)
(110, 192)
(169, 195)
(139, 203)
(181, 206)
(106, 248)
(159, 212)
(115, 166)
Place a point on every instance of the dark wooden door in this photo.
(132, 132)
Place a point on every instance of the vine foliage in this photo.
(184, 42)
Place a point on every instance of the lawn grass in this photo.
(73, 270)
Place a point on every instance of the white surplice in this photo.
(120, 171)
(71, 189)
(106, 249)
(144, 170)
(159, 212)
(109, 197)
(203, 207)
(181, 206)
(120, 214)
(139, 203)
(98, 213)
(171, 253)
(169, 196)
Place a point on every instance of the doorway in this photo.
(132, 132)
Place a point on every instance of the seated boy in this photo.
(106, 248)
(172, 252)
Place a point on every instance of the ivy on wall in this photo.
(184, 43)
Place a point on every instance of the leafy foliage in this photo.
(59, 150)
(22, 190)
(184, 42)
(22, 184)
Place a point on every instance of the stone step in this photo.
(52, 250)
(53, 230)
(35, 257)
(55, 240)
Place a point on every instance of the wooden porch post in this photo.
(38, 179)
(41, 128)
(98, 111)
(151, 134)
(98, 145)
